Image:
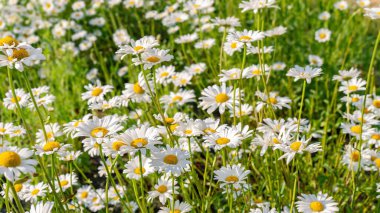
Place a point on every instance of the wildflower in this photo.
(14, 161)
(171, 160)
(322, 35)
(231, 175)
(214, 97)
(316, 203)
(306, 73)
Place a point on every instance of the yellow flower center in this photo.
(139, 142)
(50, 146)
(169, 120)
(177, 98)
(17, 99)
(84, 194)
(10, 159)
(162, 189)
(295, 146)
(96, 91)
(356, 129)
(355, 99)
(64, 183)
(221, 98)
(178, 19)
(188, 131)
(276, 141)
(209, 130)
(375, 136)
(164, 74)
(138, 89)
(272, 100)
(18, 187)
(76, 124)
(256, 72)
(316, 206)
(173, 127)
(138, 48)
(99, 132)
(245, 38)
(376, 103)
(35, 191)
(138, 171)
(322, 35)
(233, 45)
(18, 54)
(153, 59)
(9, 40)
(171, 159)
(2, 130)
(355, 155)
(175, 211)
(352, 88)
(116, 145)
(377, 162)
(232, 178)
(222, 141)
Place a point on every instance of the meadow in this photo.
(189, 106)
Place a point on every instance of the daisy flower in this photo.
(180, 98)
(195, 69)
(273, 100)
(14, 161)
(171, 160)
(363, 3)
(243, 110)
(137, 47)
(309, 203)
(188, 38)
(20, 55)
(205, 44)
(230, 47)
(306, 73)
(69, 155)
(163, 190)
(231, 175)
(115, 147)
(72, 127)
(356, 130)
(96, 93)
(66, 181)
(231, 74)
(21, 97)
(33, 192)
(324, 16)
(278, 66)
(353, 157)
(256, 5)
(180, 207)
(291, 148)
(217, 97)
(245, 36)
(140, 138)
(315, 60)
(139, 91)
(164, 74)
(353, 85)
(5, 128)
(346, 75)
(51, 147)
(259, 50)
(211, 126)
(17, 131)
(42, 207)
(53, 131)
(227, 137)
(323, 35)
(151, 57)
(98, 129)
(277, 31)
(255, 70)
(341, 5)
(372, 13)
(134, 168)
(188, 128)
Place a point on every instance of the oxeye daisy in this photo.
(256, 5)
(356, 129)
(69, 155)
(310, 203)
(103, 167)
(231, 175)
(164, 74)
(255, 70)
(135, 169)
(17, 131)
(231, 74)
(273, 100)
(195, 69)
(42, 207)
(214, 97)
(66, 181)
(363, 3)
(151, 57)
(115, 147)
(51, 147)
(140, 138)
(324, 16)
(353, 157)
(353, 85)
(21, 97)
(227, 137)
(95, 93)
(138, 91)
(346, 75)
(306, 73)
(211, 126)
(341, 5)
(14, 161)
(243, 110)
(19, 187)
(372, 13)
(171, 160)
(180, 98)
(278, 66)
(5, 128)
(33, 192)
(121, 37)
(323, 35)
(245, 36)
(179, 207)
(188, 128)
(182, 79)
(293, 147)
(98, 129)
(137, 47)
(277, 31)
(259, 50)
(72, 127)
(20, 55)
(188, 38)
(315, 60)
(230, 47)
(53, 131)
(163, 190)
(205, 44)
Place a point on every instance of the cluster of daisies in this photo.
(166, 141)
